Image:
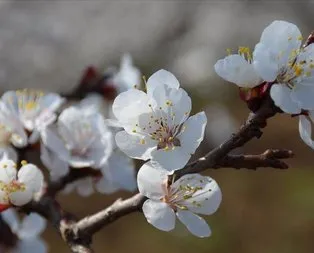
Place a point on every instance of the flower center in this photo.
(28, 102)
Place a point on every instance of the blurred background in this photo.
(47, 44)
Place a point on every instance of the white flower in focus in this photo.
(34, 109)
(128, 76)
(80, 138)
(156, 124)
(279, 58)
(188, 195)
(27, 230)
(18, 188)
(238, 69)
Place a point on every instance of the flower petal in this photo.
(85, 187)
(7, 171)
(193, 132)
(151, 181)
(172, 159)
(235, 69)
(8, 153)
(11, 218)
(129, 104)
(32, 226)
(120, 170)
(159, 214)
(281, 96)
(31, 176)
(159, 78)
(133, 147)
(206, 199)
(194, 223)
(305, 130)
(35, 245)
(303, 95)
(265, 63)
(21, 197)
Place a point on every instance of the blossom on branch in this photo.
(18, 188)
(188, 195)
(156, 124)
(32, 110)
(28, 231)
(79, 139)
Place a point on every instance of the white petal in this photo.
(193, 132)
(32, 226)
(128, 105)
(51, 101)
(172, 159)
(20, 198)
(57, 167)
(159, 78)
(8, 153)
(235, 69)
(265, 63)
(194, 223)
(31, 176)
(120, 170)
(206, 199)
(151, 181)
(51, 139)
(305, 130)
(106, 186)
(35, 245)
(303, 95)
(7, 171)
(281, 38)
(85, 187)
(11, 218)
(281, 96)
(133, 147)
(159, 214)
(180, 104)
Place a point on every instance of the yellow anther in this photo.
(300, 37)
(297, 70)
(134, 131)
(142, 141)
(229, 51)
(245, 52)
(169, 103)
(23, 162)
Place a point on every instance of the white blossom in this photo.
(156, 124)
(34, 110)
(80, 139)
(128, 75)
(188, 195)
(28, 231)
(18, 188)
(279, 58)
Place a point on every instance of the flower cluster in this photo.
(280, 60)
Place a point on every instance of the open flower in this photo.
(27, 230)
(156, 124)
(18, 188)
(188, 195)
(279, 58)
(80, 138)
(34, 109)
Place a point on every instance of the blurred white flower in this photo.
(80, 139)
(18, 188)
(188, 195)
(279, 58)
(128, 75)
(34, 109)
(156, 124)
(28, 231)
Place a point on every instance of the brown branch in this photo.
(270, 158)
